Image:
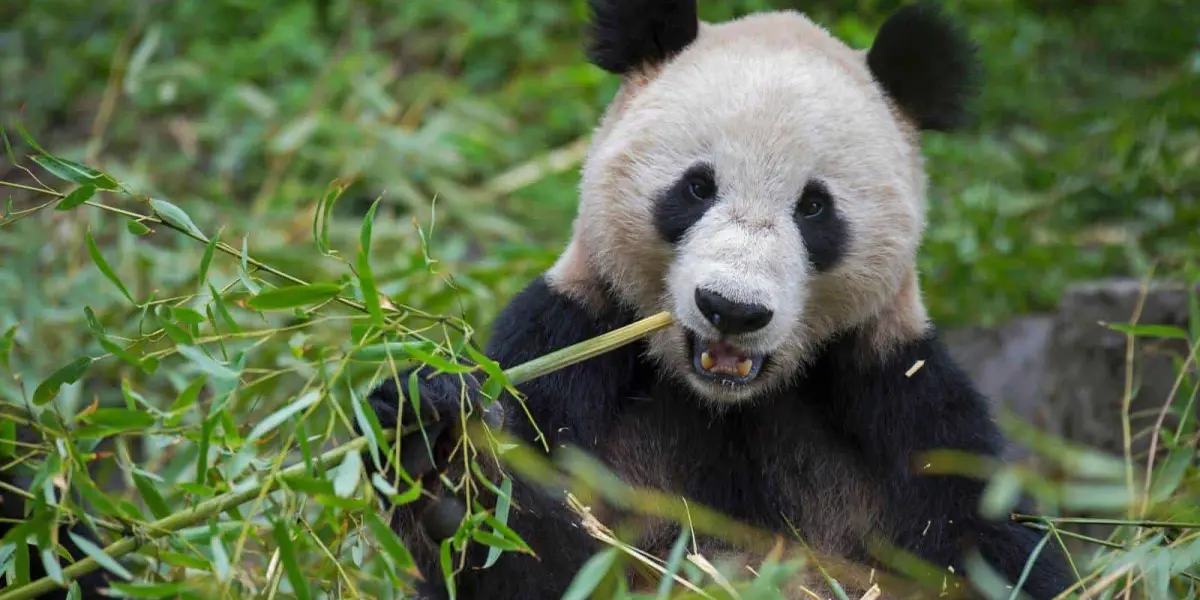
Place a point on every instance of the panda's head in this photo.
(762, 181)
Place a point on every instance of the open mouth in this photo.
(720, 360)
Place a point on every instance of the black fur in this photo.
(677, 209)
(842, 439)
(825, 235)
(628, 34)
(927, 65)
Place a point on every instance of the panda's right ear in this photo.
(626, 35)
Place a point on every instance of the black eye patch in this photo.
(680, 206)
(821, 227)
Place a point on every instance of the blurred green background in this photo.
(467, 119)
(470, 117)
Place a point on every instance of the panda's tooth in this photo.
(706, 361)
(743, 367)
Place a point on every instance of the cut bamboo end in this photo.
(586, 349)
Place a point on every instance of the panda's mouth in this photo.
(720, 360)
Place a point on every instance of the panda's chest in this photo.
(774, 466)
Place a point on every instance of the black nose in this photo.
(729, 316)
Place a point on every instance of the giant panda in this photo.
(763, 183)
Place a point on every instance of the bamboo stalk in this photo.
(186, 518)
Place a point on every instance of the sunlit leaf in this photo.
(1151, 331)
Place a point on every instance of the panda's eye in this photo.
(701, 186)
(813, 201)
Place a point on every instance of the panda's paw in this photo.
(434, 423)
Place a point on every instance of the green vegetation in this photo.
(428, 150)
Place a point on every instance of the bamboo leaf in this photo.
(176, 216)
(66, 375)
(137, 228)
(294, 295)
(74, 172)
(154, 501)
(97, 554)
(245, 270)
(502, 506)
(291, 566)
(390, 543)
(1154, 331)
(588, 578)
(347, 476)
(103, 266)
(365, 277)
(206, 260)
(81, 194)
(276, 418)
(152, 590)
(119, 419)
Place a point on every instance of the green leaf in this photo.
(502, 506)
(1170, 474)
(81, 194)
(673, 560)
(390, 543)
(447, 564)
(244, 274)
(176, 216)
(48, 389)
(1154, 331)
(220, 558)
(137, 227)
(12, 157)
(1000, 494)
(152, 590)
(7, 341)
(438, 362)
(396, 350)
(368, 423)
(50, 563)
(189, 395)
(210, 366)
(154, 501)
(103, 266)
(347, 476)
(588, 578)
(97, 554)
(75, 172)
(321, 218)
(294, 295)
(276, 418)
(365, 277)
(8, 438)
(119, 419)
(206, 261)
(291, 565)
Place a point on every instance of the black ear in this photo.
(628, 34)
(927, 65)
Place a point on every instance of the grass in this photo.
(219, 347)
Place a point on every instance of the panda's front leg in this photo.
(574, 405)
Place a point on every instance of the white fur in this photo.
(770, 101)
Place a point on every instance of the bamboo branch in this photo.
(533, 369)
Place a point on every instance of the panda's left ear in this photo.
(927, 65)
(626, 35)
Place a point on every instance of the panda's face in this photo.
(760, 189)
